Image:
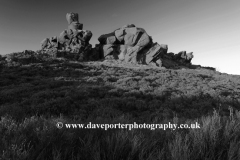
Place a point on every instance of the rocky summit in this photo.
(128, 43)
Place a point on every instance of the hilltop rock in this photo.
(128, 43)
(72, 43)
(131, 44)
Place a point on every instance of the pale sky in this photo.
(208, 28)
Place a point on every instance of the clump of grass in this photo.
(218, 138)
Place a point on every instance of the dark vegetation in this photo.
(34, 97)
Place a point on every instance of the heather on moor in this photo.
(34, 97)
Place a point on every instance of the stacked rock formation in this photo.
(72, 42)
(132, 44)
(128, 43)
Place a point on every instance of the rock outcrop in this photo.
(72, 43)
(132, 44)
(129, 43)
(176, 61)
(125, 43)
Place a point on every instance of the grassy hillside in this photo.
(34, 97)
